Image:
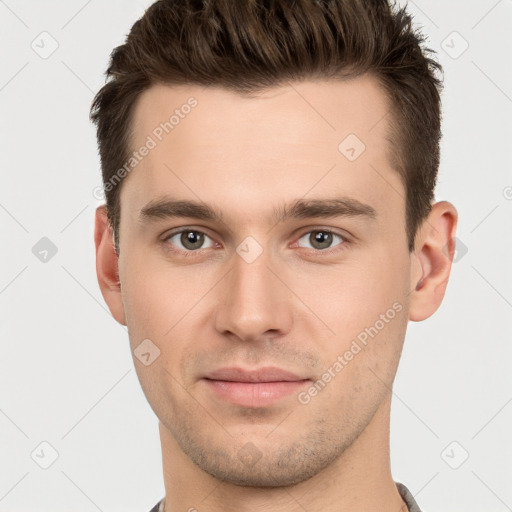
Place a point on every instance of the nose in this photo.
(255, 301)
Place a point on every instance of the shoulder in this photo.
(159, 507)
(407, 497)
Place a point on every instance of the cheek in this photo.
(360, 303)
(159, 306)
(158, 299)
(351, 296)
(143, 300)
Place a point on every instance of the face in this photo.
(264, 254)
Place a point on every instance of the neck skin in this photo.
(360, 479)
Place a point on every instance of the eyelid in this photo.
(168, 234)
(326, 229)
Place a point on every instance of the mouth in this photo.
(253, 388)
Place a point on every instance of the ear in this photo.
(107, 269)
(433, 256)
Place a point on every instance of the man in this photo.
(269, 231)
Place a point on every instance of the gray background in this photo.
(66, 372)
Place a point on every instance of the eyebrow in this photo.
(167, 208)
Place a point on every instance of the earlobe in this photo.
(107, 265)
(434, 251)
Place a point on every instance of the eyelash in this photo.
(323, 252)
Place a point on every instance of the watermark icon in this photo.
(351, 147)
(44, 45)
(455, 455)
(454, 45)
(460, 251)
(147, 352)
(507, 193)
(44, 455)
(357, 345)
(44, 250)
(249, 249)
(249, 454)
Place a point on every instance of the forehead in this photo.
(319, 110)
(233, 150)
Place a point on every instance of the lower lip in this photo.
(254, 394)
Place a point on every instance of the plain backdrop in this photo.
(70, 398)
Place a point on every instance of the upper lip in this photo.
(266, 374)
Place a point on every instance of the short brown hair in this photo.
(249, 45)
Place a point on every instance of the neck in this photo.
(360, 479)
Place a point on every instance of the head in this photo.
(280, 215)
(249, 46)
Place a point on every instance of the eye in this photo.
(320, 239)
(189, 240)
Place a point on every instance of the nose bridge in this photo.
(254, 301)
